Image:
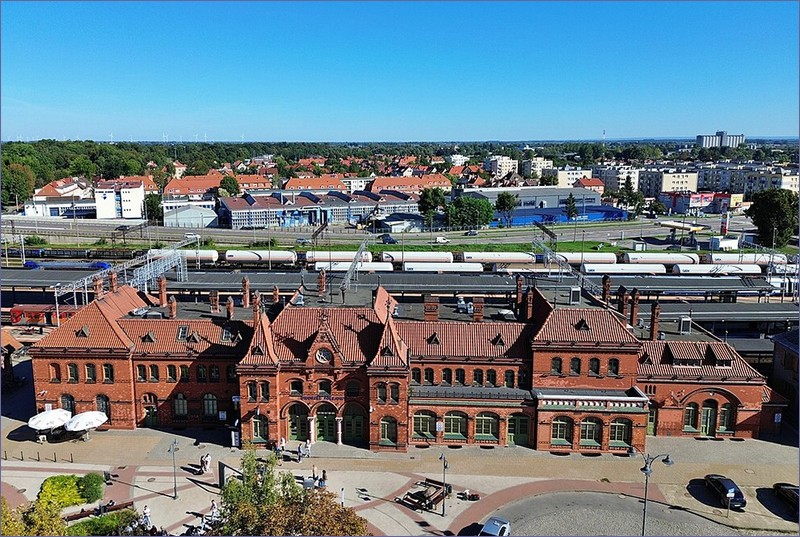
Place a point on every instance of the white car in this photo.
(192, 236)
(442, 240)
(496, 526)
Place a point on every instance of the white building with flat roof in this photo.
(536, 164)
(119, 199)
(500, 165)
(720, 139)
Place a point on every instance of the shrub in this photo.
(110, 524)
(158, 245)
(34, 240)
(91, 487)
(101, 242)
(61, 490)
(271, 243)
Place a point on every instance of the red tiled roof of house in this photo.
(584, 325)
(262, 347)
(315, 183)
(587, 182)
(455, 339)
(409, 183)
(656, 359)
(9, 341)
(48, 190)
(253, 181)
(204, 336)
(192, 184)
(456, 170)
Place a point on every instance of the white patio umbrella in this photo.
(86, 420)
(49, 419)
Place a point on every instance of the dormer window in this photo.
(194, 337)
(83, 332)
(434, 339)
(387, 351)
(226, 334)
(183, 332)
(149, 337)
(582, 325)
(498, 340)
(258, 350)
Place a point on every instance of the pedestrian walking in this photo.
(202, 465)
(314, 474)
(308, 447)
(300, 452)
(214, 511)
(146, 517)
(206, 462)
(283, 444)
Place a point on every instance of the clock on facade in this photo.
(324, 356)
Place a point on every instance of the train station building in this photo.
(364, 367)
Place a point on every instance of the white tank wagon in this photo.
(416, 257)
(665, 258)
(621, 268)
(745, 259)
(498, 257)
(344, 266)
(442, 267)
(205, 256)
(576, 258)
(718, 270)
(260, 257)
(313, 256)
(526, 268)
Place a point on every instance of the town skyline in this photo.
(397, 71)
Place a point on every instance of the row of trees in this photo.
(465, 211)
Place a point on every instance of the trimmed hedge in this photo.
(109, 524)
(68, 490)
(90, 487)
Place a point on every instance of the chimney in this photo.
(173, 307)
(276, 295)
(606, 288)
(162, 291)
(655, 313)
(519, 291)
(97, 284)
(622, 300)
(245, 292)
(112, 282)
(431, 308)
(213, 297)
(634, 306)
(256, 308)
(321, 282)
(529, 304)
(229, 307)
(477, 309)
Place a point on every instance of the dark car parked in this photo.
(388, 239)
(788, 493)
(722, 487)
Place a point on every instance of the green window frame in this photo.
(591, 432)
(455, 426)
(487, 427)
(388, 431)
(690, 414)
(620, 433)
(424, 425)
(561, 431)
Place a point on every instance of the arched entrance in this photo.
(354, 419)
(298, 422)
(150, 403)
(326, 423)
(708, 418)
(518, 427)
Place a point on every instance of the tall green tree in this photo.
(230, 184)
(430, 201)
(18, 182)
(506, 204)
(571, 207)
(469, 212)
(154, 209)
(774, 213)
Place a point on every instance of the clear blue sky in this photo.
(397, 71)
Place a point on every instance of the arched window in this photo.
(621, 430)
(477, 377)
(68, 403)
(394, 393)
(72, 373)
(447, 376)
(690, 417)
(172, 373)
(561, 431)
(594, 366)
(296, 387)
(210, 405)
(491, 377)
(251, 392)
(461, 377)
(141, 373)
(260, 428)
(613, 367)
(726, 418)
(509, 379)
(55, 373)
(555, 366)
(388, 431)
(487, 426)
(153, 373)
(91, 373)
(264, 388)
(455, 426)
(353, 388)
(591, 432)
(575, 366)
(381, 393)
(108, 373)
(103, 405)
(201, 373)
(213, 373)
(184, 373)
(180, 406)
(324, 387)
(428, 375)
(416, 375)
(424, 424)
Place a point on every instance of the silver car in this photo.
(496, 526)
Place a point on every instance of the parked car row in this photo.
(731, 496)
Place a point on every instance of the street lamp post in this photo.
(444, 482)
(647, 469)
(172, 449)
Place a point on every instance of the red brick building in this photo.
(383, 374)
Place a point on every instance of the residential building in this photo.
(535, 166)
(122, 198)
(410, 185)
(500, 165)
(317, 185)
(720, 139)
(614, 176)
(72, 196)
(592, 183)
(567, 176)
(356, 183)
(655, 180)
(749, 182)
(196, 190)
(457, 160)
(180, 169)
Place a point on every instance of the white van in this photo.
(192, 236)
(442, 240)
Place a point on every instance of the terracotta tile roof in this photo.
(262, 348)
(392, 351)
(203, 336)
(584, 325)
(594, 181)
(10, 343)
(47, 190)
(656, 358)
(456, 170)
(315, 183)
(770, 396)
(457, 339)
(409, 183)
(192, 184)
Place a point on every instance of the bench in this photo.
(85, 513)
(428, 496)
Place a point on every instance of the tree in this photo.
(18, 182)
(548, 180)
(153, 208)
(635, 205)
(627, 192)
(571, 207)
(774, 213)
(40, 517)
(222, 193)
(656, 207)
(506, 204)
(469, 212)
(430, 200)
(230, 184)
(12, 520)
(81, 166)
